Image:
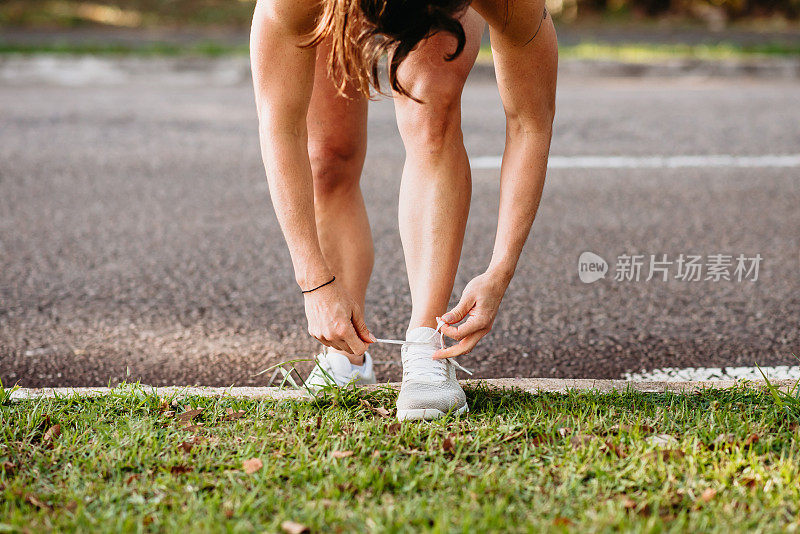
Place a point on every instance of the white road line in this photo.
(653, 162)
(780, 372)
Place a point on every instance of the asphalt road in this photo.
(137, 239)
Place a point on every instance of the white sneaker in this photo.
(430, 389)
(335, 370)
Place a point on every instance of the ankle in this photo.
(426, 320)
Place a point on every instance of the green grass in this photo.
(583, 462)
(633, 52)
(630, 52)
(208, 48)
(644, 53)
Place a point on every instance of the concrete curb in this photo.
(530, 385)
(82, 70)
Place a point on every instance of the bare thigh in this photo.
(436, 82)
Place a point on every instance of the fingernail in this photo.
(373, 338)
(448, 317)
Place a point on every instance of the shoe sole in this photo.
(427, 414)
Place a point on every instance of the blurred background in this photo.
(587, 28)
(137, 240)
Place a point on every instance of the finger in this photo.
(463, 347)
(361, 327)
(343, 340)
(353, 341)
(356, 345)
(470, 326)
(461, 310)
(346, 348)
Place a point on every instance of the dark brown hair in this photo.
(362, 31)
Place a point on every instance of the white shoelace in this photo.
(422, 365)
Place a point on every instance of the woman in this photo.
(313, 68)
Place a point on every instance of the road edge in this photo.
(530, 385)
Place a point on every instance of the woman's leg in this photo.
(337, 144)
(437, 185)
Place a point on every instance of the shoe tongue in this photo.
(421, 333)
(340, 364)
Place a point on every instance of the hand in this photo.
(336, 320)
(479, 304)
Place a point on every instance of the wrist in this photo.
(503, 272)
(313, 277)
(318, 287)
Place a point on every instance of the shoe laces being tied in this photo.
(418, 364)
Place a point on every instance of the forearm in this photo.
(522, 178)
(288, 171)
(282, 107)
(526, 59)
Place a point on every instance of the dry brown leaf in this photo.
(708, 494)
(132, 478)
(383, 412)
(752, 438)
(616, 449)
(394, 428)
(447, 445)
(376, 454)
(186, 446)
(562, 522)
(34, 500)
(749, 482)
(341, 454)
(564, 431)
(628, 503)
(579, 440)
(292, 527)
(8, 467)
(180, 469)
(233, 415)
(189, 415)
(252, 465)
(52, 433)
(380, 410)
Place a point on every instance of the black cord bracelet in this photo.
(319, 286)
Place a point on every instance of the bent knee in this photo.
(433, 125)
(335, 166)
